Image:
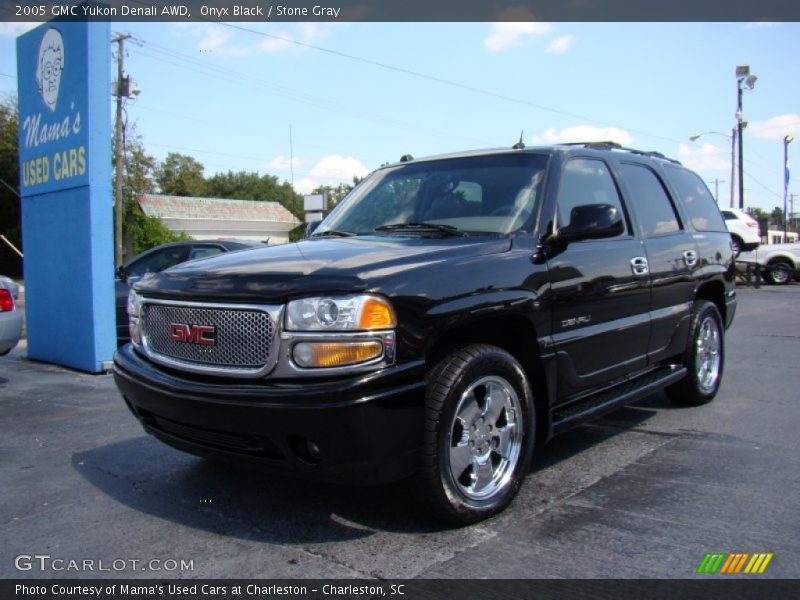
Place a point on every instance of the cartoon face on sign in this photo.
(49, 66)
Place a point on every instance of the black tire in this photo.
(737, 244)
(779, 273)
(700, 386)
(494, 447)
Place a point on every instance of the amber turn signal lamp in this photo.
(335, 354)
(376, 314)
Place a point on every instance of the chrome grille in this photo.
(244, 337)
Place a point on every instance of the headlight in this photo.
(134, 310)
(343, 313)
(134, 304)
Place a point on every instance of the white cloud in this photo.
(275, 44)
(214, 36)
(332, 169)
(561, 44)
(218, 40)
(305, 33)
(12, 30)
(584, 133)
(283, 163)
(776, 128)
(760, 24)
(705, 157)
(513, 26)
(341, 168)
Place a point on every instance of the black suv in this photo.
(447, 313)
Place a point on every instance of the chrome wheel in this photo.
(707, 356)
(780, 274)
(485, 437)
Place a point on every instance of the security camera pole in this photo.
(120, 93)
(786, 141)
(743, 76)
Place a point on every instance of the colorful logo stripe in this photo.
(734, 562)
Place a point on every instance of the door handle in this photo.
(690, 258)
(639, 266)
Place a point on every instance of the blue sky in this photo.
(228, 96)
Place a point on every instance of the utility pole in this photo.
(733, 163)
(717, 181)
(119, 39)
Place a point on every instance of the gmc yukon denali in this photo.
(447, 314)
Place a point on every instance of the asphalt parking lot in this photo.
(645, 492)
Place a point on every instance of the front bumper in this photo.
(367, 428)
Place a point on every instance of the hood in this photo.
(325, 266)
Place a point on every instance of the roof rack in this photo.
(608, 145)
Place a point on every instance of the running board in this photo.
(595, 405)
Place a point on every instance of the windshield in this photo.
(493, 194)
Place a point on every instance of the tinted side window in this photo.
(727, 215)
(158, 261)
(202, 251)
(585, 181)
(651, 201)
(699, 202)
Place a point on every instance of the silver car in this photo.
(10, 315)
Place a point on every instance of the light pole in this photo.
(786, 141)
(732, 138)
(743, 76)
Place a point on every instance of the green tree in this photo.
(335, 193)
(10, 263)
(249, 185)
(776, 218)
(181, 175)
(141, 232)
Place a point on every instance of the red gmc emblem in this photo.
(205, 335)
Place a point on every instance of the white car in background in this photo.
(10, 315)
(745, 233)
(779, 263)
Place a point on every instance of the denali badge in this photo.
(205, 335)
(582, 320)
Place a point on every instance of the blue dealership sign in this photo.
(53, 131)
(63, 74)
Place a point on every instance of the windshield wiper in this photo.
(422, 225)
(333, 233)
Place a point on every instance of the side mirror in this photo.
(119, 273)
(592, 222)
(311, 227)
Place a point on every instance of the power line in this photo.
(239, 156)
(260, 160)
(774, 193)
(440, 80)
(248, 80)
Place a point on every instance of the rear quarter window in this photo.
(698, 201)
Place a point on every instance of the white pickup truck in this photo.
(780, 263)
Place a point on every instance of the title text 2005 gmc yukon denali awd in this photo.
(447, 313)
